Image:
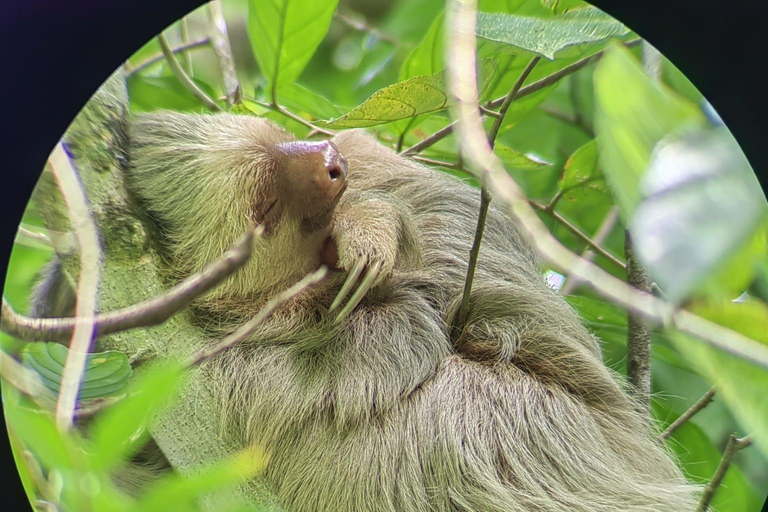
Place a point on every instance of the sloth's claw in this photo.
(370, 278)
(352, 278)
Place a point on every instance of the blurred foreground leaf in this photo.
(702, 203)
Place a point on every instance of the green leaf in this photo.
(702, 203)
(37, 430)
(285, 34)
(427, 57)
(516, 160)
(174, 492)
(632, 115)
(105, 373)
(547, 36)
(581, 167)
(148, 93)
(307, 104)
(609, 323)
(741, 383)
(120, 430)
(562, 6)
(412, 97)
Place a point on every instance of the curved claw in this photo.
(352, 278)
(362, 289)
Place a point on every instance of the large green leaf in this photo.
(409, 98)
(741, 384)
(513, 159)
(632, 115)
(702, 203)
(148, 93)
(106, 373)
(548, 36)
(427, 57)
(121, 429)
(285, 34)
(581, 167)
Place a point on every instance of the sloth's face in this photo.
(304, 181)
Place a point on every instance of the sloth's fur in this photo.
(383, 412)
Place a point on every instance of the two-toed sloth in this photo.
(355, 387)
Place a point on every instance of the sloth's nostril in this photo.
(335, 173)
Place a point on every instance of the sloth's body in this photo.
(382, 412)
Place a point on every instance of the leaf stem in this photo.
(182, 77)
(699, 405)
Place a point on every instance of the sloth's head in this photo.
(207, 179)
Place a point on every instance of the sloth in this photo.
(359, 388)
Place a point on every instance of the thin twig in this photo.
(148, 313)
(699, 405)
(363, 27)
(182, 77)
(525, 91)
(30, 235)
(291, 115)
(735, 445)
(243, 331)
(89, 247)
(439, 163)
(223, 49)
(571, 282)
(509, 98)
(184, 28)
(461, 59)
(579, 233)
(184, 48)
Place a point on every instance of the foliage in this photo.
(603, 136)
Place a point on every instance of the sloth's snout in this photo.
(316, 173)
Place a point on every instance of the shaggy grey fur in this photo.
(383, 412)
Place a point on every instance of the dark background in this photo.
(716, 45)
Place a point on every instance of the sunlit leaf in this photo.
(516, 160)
(547, 36)
(412, 97)
(632, 115)
(702, 202)
(285, 34)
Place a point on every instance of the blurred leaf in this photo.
(702, 203)
(285, 34)
(120, 430)
(632, 115)
(412, 97)
(174, 492)
(149, 93)
(105, 373)
(547, 36)
(741, 383)
(581, 167)
(523, 7)
(37, 430)
(516, 160)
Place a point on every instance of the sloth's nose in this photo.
(316, 173)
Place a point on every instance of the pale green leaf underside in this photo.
(547, 36)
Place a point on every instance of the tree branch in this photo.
(579, 233)
(508, 100)
(699, 405)
(525, 91)
(571, 282)
(638, 334)
(243, 331)
(90, 254)
(182, 77)
(735, 445)
(461, 58)
(184, 48)
(149, 313)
